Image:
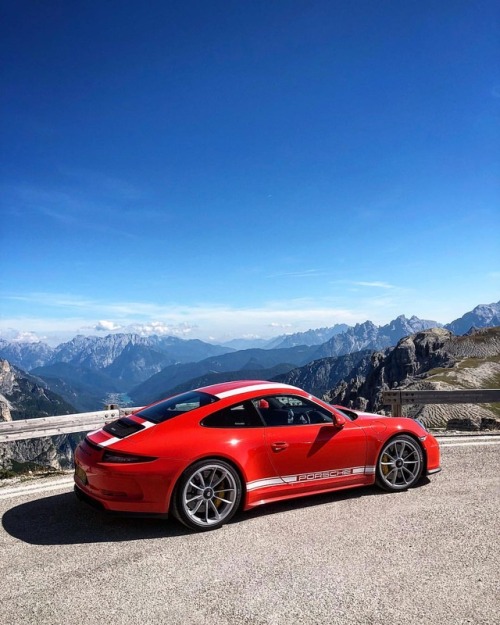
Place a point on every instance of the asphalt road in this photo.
(427, 556)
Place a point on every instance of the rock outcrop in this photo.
(431, 360)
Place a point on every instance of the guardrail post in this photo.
(393, 399)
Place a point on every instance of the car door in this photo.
(308, 451)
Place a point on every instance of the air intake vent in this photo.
(123, 427)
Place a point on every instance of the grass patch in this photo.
(6, 473)
(494, 381)
(451, 375)
(494, 409)
(484, 335)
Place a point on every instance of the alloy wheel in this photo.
(209, 495)
(400, 464)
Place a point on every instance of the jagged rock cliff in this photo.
(22, 397)
(433, 359)
(322, 374)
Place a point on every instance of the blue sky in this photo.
(219, 169)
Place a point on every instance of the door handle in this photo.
(279, 446)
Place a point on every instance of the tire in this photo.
(207, 495)
(400, 464)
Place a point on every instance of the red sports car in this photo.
(203, 455)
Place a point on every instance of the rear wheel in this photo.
(207, 495)
(400, 464)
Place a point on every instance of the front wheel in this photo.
(208, 495)
(400, 464)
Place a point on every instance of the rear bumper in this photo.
(90, 501)
(138, 488)
(97, 505)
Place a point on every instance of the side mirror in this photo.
(339, 421)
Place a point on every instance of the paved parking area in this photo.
(429, 555)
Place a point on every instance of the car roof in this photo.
(236, 387)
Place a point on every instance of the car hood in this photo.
(359, 414)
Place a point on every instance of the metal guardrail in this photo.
(396, 399)
(63, 424)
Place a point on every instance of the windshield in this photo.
(175, 406)
(349, 414)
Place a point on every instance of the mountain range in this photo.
(101, 352)
(85, 370)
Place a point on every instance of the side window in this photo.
(279, 410)
(240, 416)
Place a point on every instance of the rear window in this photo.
(175, 406)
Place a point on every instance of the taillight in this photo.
(117, 457)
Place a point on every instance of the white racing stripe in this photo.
(110, 441)
(313, 476)
(265, 483)
(254, 387)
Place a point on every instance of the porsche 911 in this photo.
(206, 454)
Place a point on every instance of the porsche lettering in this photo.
(324, 475)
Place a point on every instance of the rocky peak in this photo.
(25, 355)
(484, 315)
(416, 353)
(369, 336)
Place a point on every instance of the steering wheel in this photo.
(302, 419)
(315, 416)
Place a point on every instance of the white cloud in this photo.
(143, 329)
(67, 316)
(375, 284)
(106, 326)
(62, 316)
(305, 273)
(15, 336)
(161, 329)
